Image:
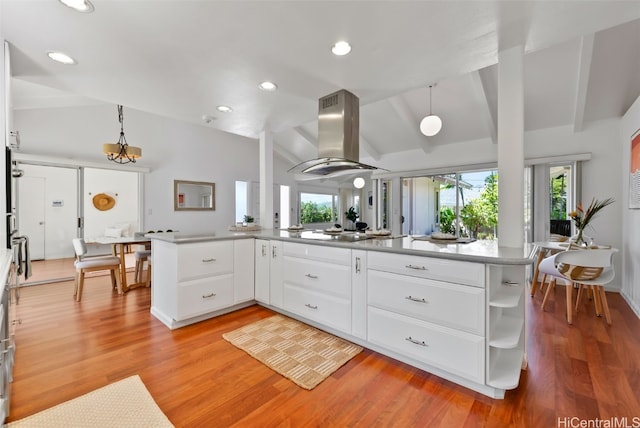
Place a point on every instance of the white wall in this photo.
(170, 149)
(122, 186)
(630, 123)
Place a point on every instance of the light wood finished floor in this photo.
(67, 348)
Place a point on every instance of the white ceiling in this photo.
(182, 58)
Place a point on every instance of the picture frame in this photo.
(634, 171)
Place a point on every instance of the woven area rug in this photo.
(126, 403)
(301, 353)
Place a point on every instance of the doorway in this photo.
(52, 210)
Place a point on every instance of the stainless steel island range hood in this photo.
(338, 138)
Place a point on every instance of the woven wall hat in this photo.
(103, 202)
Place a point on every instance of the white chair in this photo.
(86, 264)
(591, 267)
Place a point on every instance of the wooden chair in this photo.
(143, 256)
(86, 264)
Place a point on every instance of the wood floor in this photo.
(64, 349)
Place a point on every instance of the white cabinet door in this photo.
(262, 261)
(243, 268)
(276, 273)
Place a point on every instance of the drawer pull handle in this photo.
(264, 250)
(417, 342)
(415, 299)
(208, 260)
(311, 276)
(310, 306)
(208, 296)
(416, 267)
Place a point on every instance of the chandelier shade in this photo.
(121, 152)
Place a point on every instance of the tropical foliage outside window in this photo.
(317, 208)
(478, 205)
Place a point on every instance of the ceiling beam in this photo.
(405, 114)
(286, 154)
(306, 136)
(367, 147)
(481, 87)
(584, 67)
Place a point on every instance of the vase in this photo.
(581, 239)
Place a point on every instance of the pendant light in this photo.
(121, 152)
(431, 124)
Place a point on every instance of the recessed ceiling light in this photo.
(62, 58)
(79, 5)
(341, 48)
(268, 86)
(224, 109)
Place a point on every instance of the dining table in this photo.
(118, 247)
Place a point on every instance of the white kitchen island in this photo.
(455, 310)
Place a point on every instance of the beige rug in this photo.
(301, 353)
(125, 403)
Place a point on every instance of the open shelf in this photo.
(506, 332)
(507, 296)
(505, 368)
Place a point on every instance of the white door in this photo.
(31, 213)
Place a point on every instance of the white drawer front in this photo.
(341, 256)
(428, 267)
(204, 295)
(450, 350)
(319, 276)
(328, 310)
(452, 305)
(204, 259)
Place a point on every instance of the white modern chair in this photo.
(591, 267)
(86, 264)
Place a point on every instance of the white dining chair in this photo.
(84, 264)
(590, 267)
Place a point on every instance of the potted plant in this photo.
(352, 216)
(248, 219)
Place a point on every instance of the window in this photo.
(464, 204)
(285, 218)
(560, 199)
(241, 200)
(318, 208)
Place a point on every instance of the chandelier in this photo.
(121, 152)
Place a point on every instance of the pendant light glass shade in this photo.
(431, 124)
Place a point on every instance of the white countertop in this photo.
(477, 251)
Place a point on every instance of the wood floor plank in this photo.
(67, 348)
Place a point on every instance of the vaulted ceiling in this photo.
(181, 59)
